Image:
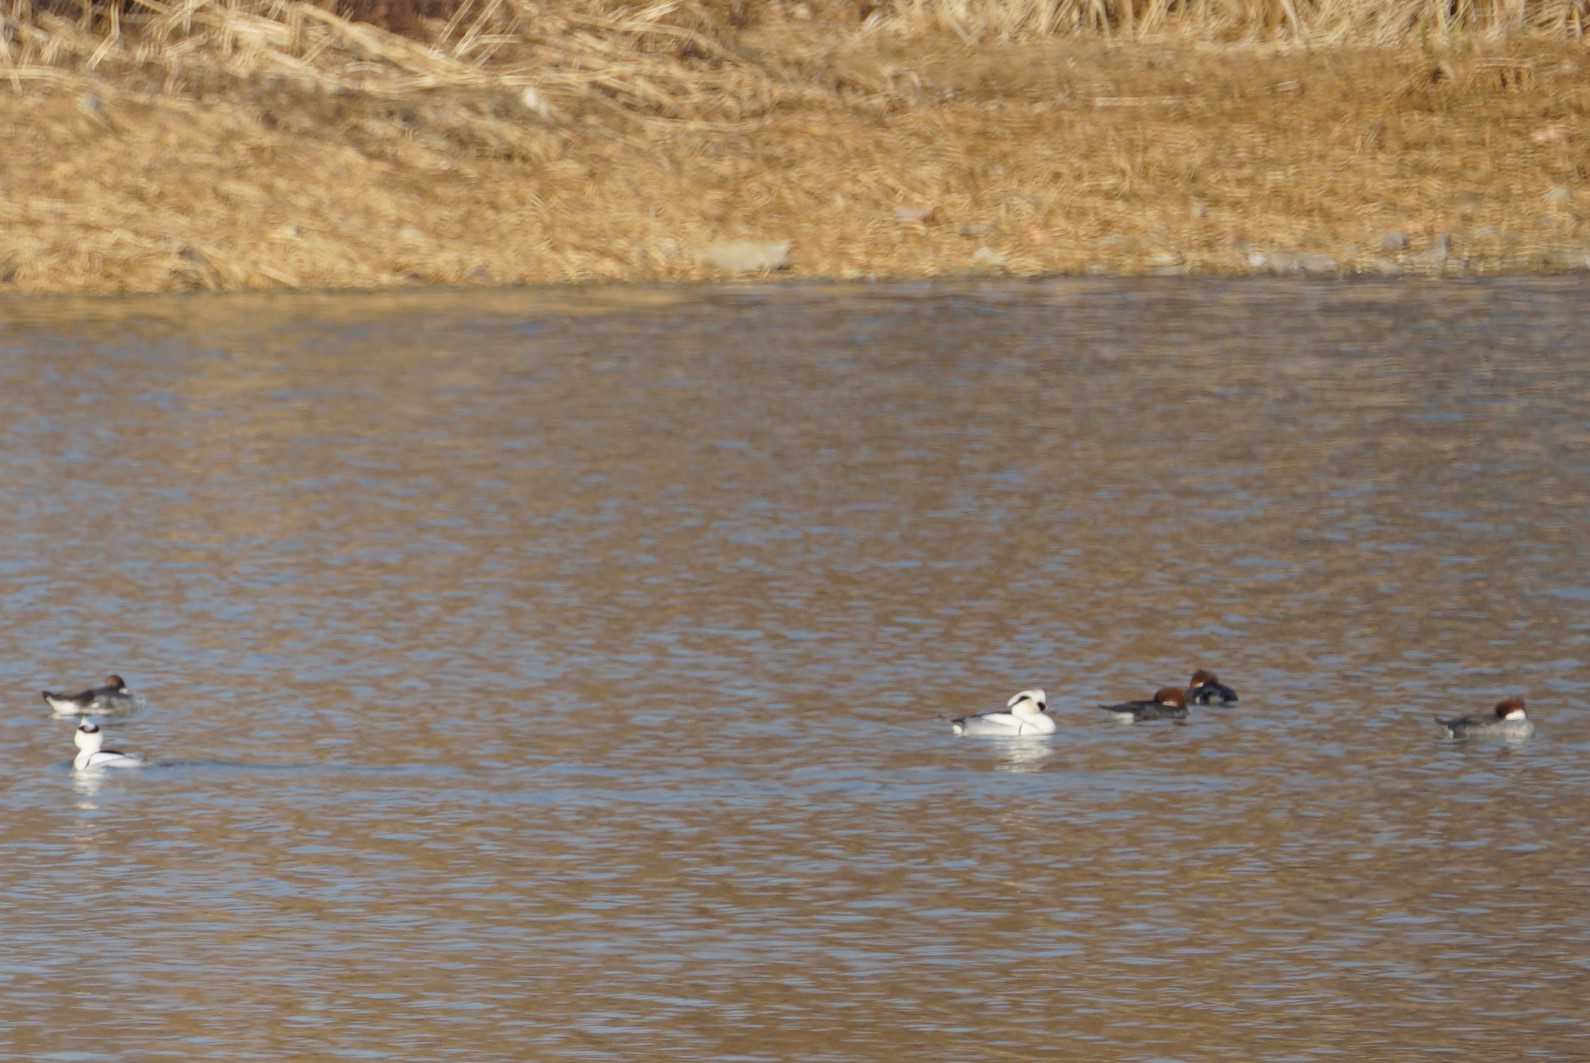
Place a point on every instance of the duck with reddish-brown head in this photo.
(1204, 688)
(1507, 720)
(1168, 703)
(112, 697)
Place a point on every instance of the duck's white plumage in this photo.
(91, 753)
(1025, 714)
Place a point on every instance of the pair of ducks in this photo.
(1027, 713)
(91, 752)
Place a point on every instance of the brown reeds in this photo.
(679, 58)
(1300, 22)
(671, 57)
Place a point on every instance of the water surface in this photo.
(563, 676)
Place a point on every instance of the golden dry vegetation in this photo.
(196, 144)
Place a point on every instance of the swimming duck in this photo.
(112, 697)
(1205, 689)
(1507, 720)
(91, 753)
(1025, 714)
(1169, 703)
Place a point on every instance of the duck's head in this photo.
(1511, 709)
(88, 737)
(1027, 703)
(1171, 696)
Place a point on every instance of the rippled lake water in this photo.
(565, 676)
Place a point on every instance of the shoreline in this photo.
(21, 311)
(1060, 158)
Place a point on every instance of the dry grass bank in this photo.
(1316, 22)
(161, 146)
